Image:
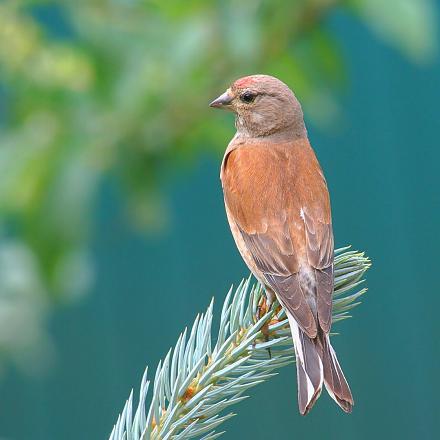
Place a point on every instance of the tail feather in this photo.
(334, 379)
(317, 364)
(309, 368)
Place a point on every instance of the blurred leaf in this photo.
(23, 308)
(408, 25)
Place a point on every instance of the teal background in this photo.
(382, 166)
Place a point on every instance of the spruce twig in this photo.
(198, 381)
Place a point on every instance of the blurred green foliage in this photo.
(95, 88)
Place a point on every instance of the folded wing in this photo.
(278, 198)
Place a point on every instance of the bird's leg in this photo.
(264, 306)
(261, 311)
(270, 298)
(265, 303)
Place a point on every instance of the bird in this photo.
(278, 208)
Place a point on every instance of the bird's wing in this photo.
(277, 196)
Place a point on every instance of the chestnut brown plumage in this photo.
(278, 208)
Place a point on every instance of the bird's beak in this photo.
(222, 100)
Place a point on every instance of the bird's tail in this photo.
(316, 363)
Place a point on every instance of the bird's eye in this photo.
(247, 97)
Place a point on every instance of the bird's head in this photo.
(263, 106)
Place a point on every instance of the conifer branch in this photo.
(198, 381)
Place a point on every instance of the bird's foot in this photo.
(262, 309)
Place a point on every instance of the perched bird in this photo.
(278, 208)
